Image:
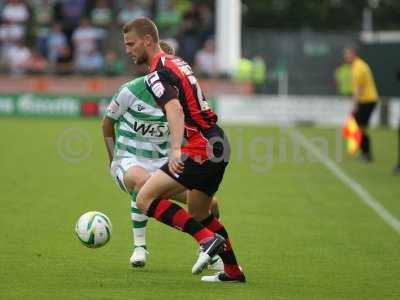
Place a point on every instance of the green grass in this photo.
(299, 233)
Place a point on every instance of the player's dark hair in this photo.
(142, 26)
(353, 47)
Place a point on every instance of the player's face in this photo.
(349, 55)
(135, 47)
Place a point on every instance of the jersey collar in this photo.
(356, 60)
(155, 60)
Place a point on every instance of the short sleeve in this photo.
(161, 88)
(119, 104)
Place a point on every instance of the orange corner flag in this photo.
(352, 134)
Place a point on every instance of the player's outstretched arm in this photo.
(175, 117)
(109, 136)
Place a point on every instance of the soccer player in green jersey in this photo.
(136, 134)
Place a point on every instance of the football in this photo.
(93, 229)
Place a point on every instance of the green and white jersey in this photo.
(141, 127)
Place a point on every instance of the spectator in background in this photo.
(205, 61)
(43, 11)
(89, 62)
(113, 65)
(10, 35)
(259, 75)
(85, 38)
(343, 79)
(42, 17)
(168, 14)
(101, 14)
(206, 18)
(252, 71)
(244, 70)
(36, 64)
(15, 15)
(69, 14)
(365, 97)
(188, 39)
(64, 65)
(132, 10)
(17, 59)
(56, 43)
(15, 12)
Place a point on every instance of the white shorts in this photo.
(119, 167)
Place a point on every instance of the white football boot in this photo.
(208, 249)
(222, 277)
(138, 258)
(216, 264)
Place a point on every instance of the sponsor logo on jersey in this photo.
(151, 130)
(153, 80)
(140, 107)
(158, 89)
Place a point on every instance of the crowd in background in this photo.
(84, 36)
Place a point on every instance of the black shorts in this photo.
(207, 176)
(363, 113)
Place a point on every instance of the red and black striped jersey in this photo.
(169, 78)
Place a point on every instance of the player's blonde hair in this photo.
(167, 48)
(142, 26)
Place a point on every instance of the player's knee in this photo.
(140, 182)
(129, 184)
(133, 182)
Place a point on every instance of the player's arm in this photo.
(117, 107)
(166, 94)
(109, 136)
(174, 112)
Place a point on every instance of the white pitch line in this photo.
(357, 188)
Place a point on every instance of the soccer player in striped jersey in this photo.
(199, 153)
(138, 131)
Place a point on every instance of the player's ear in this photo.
(147, 40)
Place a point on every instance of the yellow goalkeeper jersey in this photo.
(362, 77)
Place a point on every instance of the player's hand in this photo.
(175, 163)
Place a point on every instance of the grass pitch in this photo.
(298, 231)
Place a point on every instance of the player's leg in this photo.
(153, 201)
(365, 145)
(199, 199)
(157, 186)
(362, 117)
(199, 203)
(134, 179)
(139, 225)
(214, 207)
(215, 263)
